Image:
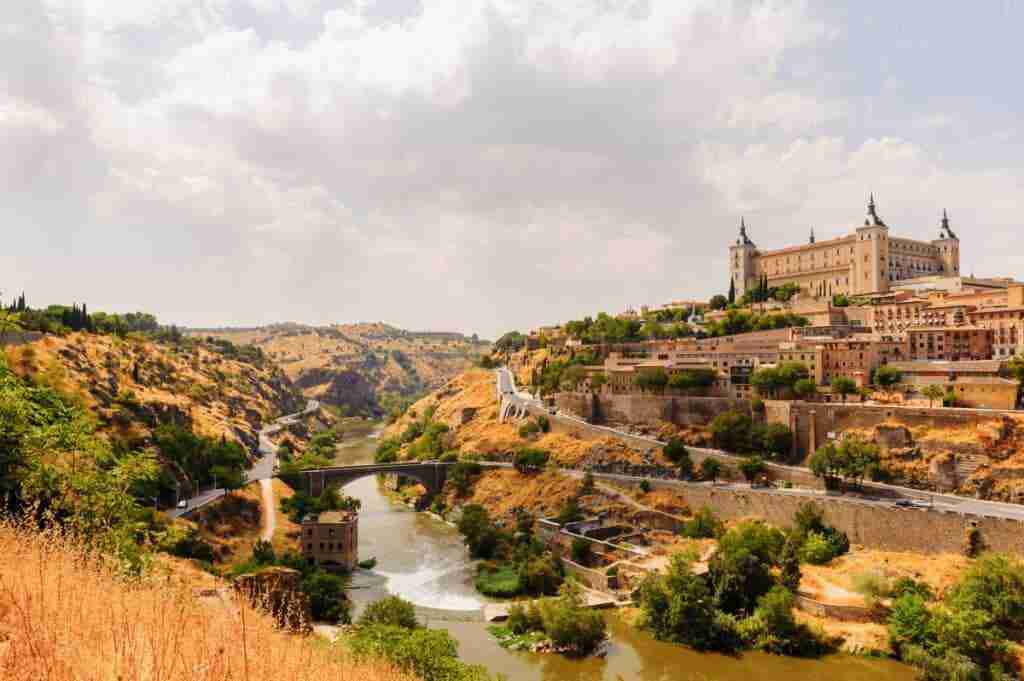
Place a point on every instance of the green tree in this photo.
(679, 606)
(327, 599)
(392, 611)
(933, 392)
(731, 431)
(752, 468)
(718, 302)
(789, 562)
(843, 385)
(888, 377)
(805, 388)
(710, 469)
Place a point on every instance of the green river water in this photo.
(424, 561)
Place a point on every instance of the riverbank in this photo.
(422, 559)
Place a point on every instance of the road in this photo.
(262, 468)
(884, 492)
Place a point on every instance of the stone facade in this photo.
(332, 540)
(868, 260)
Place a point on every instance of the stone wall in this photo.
(647, 408)
(812, 422)
(874, 525)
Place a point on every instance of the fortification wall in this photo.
(812, 422)
(873, 525)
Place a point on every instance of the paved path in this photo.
(262, 468)
(268, 512)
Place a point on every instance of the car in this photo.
(903, 503)
(553, 411)
(183, 503)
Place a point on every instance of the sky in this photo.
(482, 166)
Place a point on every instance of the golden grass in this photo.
(65, 617)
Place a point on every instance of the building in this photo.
(950, 343)
(332, 539)
(868, 260)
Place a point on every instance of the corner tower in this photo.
(871, 254)
(741, 261)
(948, 245)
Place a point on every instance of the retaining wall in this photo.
(873, 525)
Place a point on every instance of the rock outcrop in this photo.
(275, 590)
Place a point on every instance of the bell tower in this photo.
(871, 254)
(948, 245)
(741, 261)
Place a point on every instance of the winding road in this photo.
(262, 469)
(884, 493)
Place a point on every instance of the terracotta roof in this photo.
(985, 380)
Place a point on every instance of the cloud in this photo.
(469, 164)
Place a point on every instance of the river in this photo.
(424, 561)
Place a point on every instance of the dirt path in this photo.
(268, 514)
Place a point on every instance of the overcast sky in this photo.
(482, 166)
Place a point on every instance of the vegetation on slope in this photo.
(67, 615)
(364, 369)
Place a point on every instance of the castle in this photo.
(868, 260)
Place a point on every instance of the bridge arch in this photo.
(432, 475)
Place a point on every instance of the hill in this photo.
(133, 384)
(365, 368)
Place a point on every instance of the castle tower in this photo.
(949, 247)
(741, 261)
(870, 268)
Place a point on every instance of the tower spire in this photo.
(812, 235)
(872, 218)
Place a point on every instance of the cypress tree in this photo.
(732, 291)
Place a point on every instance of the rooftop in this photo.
(330, 517)
(986, 366)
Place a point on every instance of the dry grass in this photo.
(65, 617)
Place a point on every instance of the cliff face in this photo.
(357, 366)
(134, 385)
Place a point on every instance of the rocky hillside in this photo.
(133, 385)
(468, 407)
(360, 367)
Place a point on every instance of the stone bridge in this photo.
(431, 473)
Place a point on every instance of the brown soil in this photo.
(133, 384)
(372, 358)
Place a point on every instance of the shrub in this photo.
(569, 624)
(752, 468)
(391, 611)
(528, 429)
(429, 654)
(645, 486)
(675, 451)
(874, 586)
(817, 550)
(710, 469)
(580, 550)
(480, 534)
(501, 581)
(544, 423)
(907, 585)
(541, 575)
(528, 460)
(570, 512)
(327, 599)
(703, 525)
(731, 431)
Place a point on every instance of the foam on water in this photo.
(426, 587)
